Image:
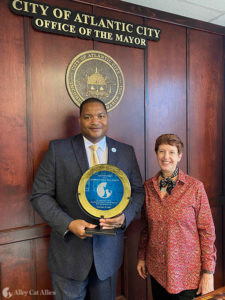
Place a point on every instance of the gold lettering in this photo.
(44, 9)
(149, 31)
(89, 31)
(117, 23)
(46, 22)
(64, 26)
(25, 6)
(146, 31)
(54, 24)
(131, 28)
(39, 22)
(97, 32)
(119, 37)
(157, 32)
(34, 7)
(103, 34)
(67, 14)
(72, 29)
(78, 18)
(131, 38)
(57, 12)
(82, 30)
(86, 17)
(93, 23)
(138, 30)
(14, 5)
(125, 39)
(59, 26)
(109, 23)
(29, 7)
(143, 42)
(101, 23)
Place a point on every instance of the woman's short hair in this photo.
(169, 139)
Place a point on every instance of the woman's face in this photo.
(168, 157)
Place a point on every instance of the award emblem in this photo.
(95, 74)
(104, 192)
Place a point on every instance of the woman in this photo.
(177, 243)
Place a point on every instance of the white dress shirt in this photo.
(102, 150)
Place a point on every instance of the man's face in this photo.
(93, 121)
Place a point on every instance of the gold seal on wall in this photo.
(95, 74)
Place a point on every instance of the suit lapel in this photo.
(81, 156)
(112, 152)
(80, 152)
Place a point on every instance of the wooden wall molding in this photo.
(24, 233)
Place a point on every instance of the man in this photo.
(81, 264)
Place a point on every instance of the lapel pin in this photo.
(113, 150)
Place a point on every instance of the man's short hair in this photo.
(91, 100)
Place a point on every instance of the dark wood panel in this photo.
(13, 156)
(136, 286)
(54, 115)
(223, 145)
(205, 109)
(205, 102)
(17, 270)
(43, 283)
(166, 102)
(223, 241)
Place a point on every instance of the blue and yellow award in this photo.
(104, 192)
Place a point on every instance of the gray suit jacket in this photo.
(54, 197)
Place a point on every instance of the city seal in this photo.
(95, 74)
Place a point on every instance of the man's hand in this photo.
(141, 268)
(206, 284)
(111, 223)
(78, 228)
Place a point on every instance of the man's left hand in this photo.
(111, 223)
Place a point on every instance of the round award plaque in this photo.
(104, 191)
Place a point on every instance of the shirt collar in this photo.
(101, 144)
(181, 177)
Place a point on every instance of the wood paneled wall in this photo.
(174, 85)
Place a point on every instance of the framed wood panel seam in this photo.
(24, 233)
(30, 167)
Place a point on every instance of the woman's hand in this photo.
(141, 268)
(206, 284)
(111, 223)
